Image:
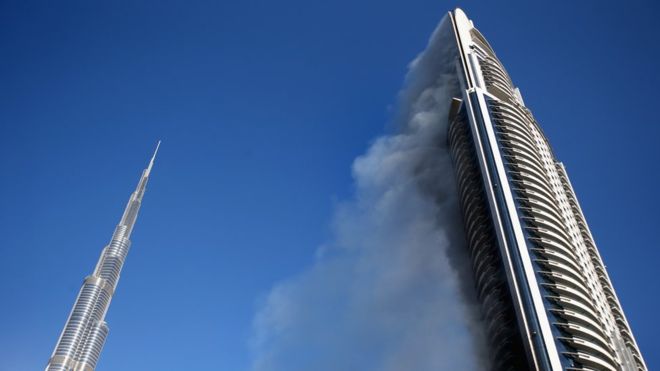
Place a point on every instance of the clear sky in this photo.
(262, 107)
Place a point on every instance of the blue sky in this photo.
(262, 108)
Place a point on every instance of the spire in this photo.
(151, 163)
(133, 206)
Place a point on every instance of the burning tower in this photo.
(546, 298)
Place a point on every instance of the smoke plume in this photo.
(392, 291)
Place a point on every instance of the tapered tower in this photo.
(547, 300)
(85, 331)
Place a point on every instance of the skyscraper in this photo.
(85, 331)
(547, 301)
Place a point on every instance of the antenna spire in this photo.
(151, 163)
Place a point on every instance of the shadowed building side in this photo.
(491, 285)
(85, 331)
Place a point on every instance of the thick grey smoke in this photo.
(388, 293)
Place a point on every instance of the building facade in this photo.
(547, 301)
(85, 331)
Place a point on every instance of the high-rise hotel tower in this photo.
(81, 341)
(547, 301)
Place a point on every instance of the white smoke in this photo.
(390, 292)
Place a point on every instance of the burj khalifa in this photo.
(85, 331)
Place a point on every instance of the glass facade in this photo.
(566, 313)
